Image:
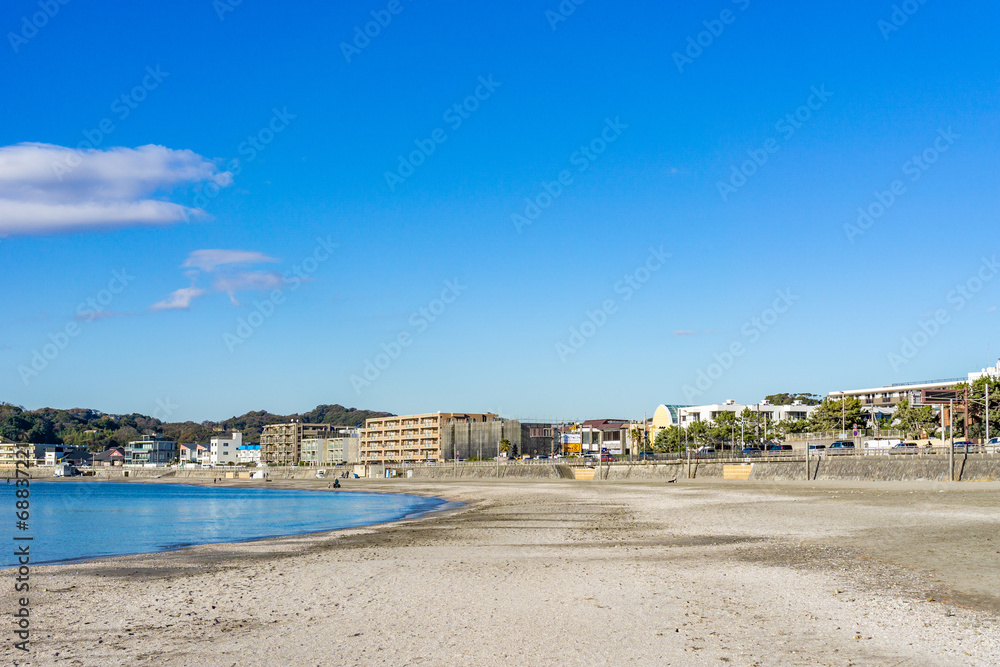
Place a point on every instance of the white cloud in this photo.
(208, 260)
(179, 299)
(229, 282)
(46, 188)
(249, 280)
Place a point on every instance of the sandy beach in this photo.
(562, 573)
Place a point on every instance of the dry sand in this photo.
(563, 573)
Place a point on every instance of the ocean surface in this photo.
(76, 520)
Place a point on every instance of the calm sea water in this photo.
(73, 520)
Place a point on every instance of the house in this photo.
(51, 455)
(114, 456)
(598, 435)
(194, 453)
(149, 450)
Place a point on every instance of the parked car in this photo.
(607, 458)
(541, 457)
(966, 445)
(779, 448)
(751, 451)
(842, 445)
(647, 456)
(704, 451)
(817, 446)
(905, 448)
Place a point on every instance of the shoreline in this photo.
(526, 569)
(446, 506)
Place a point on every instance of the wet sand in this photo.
(562, 572)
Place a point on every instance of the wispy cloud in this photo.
(228, 280)
(684, 332)
(46, 189)
(179, 299)
(248, 280)
(209, 260)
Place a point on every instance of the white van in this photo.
(882, 445)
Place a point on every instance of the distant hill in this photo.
(97, 430)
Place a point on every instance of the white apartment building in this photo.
(248, 454)
(223, 450)
(707, 413)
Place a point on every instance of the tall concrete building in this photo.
(413, 438)
(282, 443)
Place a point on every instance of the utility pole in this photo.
(951, 440)
(843, 415)
(987, 410)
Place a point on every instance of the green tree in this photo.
(977, 407)
(832, 413)
(506, 447)
(669, 439)
(788, 399)
(914, 421)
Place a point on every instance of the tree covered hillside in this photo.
(96, 430)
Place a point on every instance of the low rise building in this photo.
(52, 455)
(795, 411)
(150, 450)
(223, 450)
(665, 416)
(598, 435)
(193, 453)
(113, 456)
(248, 454)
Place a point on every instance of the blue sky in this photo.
(307, 228)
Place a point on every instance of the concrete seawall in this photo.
(975, 468)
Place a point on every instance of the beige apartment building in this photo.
(7, 448)
(412, 438)
(282, 443)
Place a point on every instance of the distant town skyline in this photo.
(541, 210)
